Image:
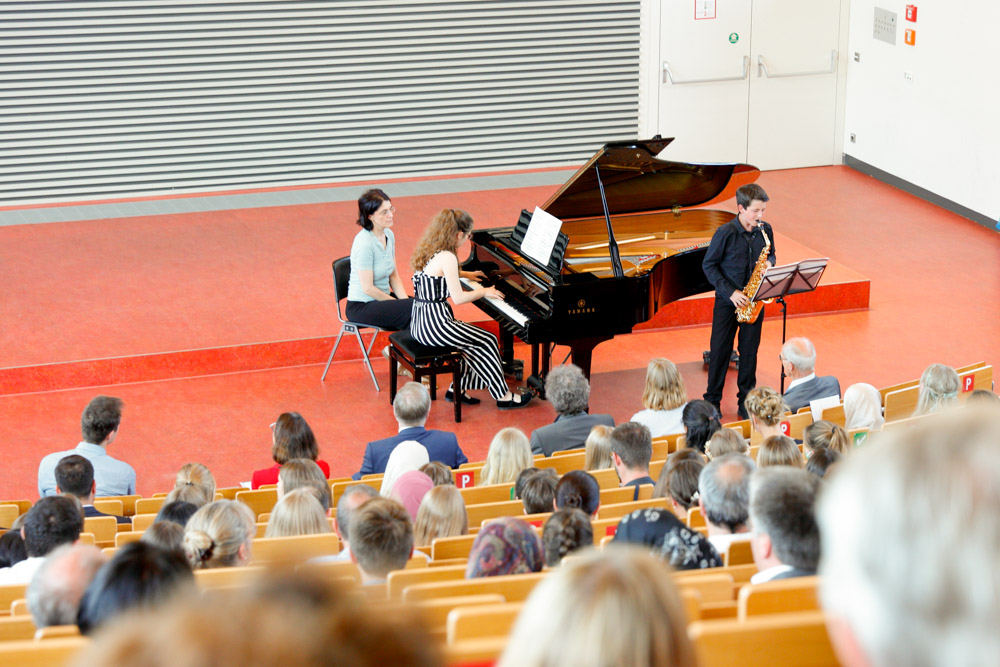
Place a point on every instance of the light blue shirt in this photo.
(367, 254)
(114, 477)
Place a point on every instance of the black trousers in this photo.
(724, 329)
(392, 314)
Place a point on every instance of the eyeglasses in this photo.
(273, 425)
(385, 211)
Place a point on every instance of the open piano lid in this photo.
(636, 181)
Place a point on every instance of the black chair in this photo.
(341, 277)
(425, 361)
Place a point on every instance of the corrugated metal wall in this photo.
(118, 98)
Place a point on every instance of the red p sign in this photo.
(786, 428)
(968, 382)
(465, 479)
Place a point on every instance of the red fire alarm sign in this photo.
(911, 13)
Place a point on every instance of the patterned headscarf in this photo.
(505, 546)
(669, 539)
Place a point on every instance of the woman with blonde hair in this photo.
(220, 535)
(598, 448)
(298, 512)
(441, 514)
(726, 441)
(509, 454)
(939, 386)
(825, 434)
(766, 407)
(291, 438)
(779, 450)
(195, 484)
(593, 598)
(863, 407)
(437, 277)
(304, 473)
(664, 398)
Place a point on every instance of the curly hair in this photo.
(766, 405)
(441, 235)
(567, 389)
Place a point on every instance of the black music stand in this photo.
(781, 281)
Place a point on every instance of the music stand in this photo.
(781, 281)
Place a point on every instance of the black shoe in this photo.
(466, 399)
(513, 404)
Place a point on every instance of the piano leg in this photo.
(511, 366)
(583, 352)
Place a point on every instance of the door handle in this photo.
(762, 68)
(669, 76)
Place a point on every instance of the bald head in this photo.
(724, 492)
(354, 497)
(57, 587)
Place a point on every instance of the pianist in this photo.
(569, 393)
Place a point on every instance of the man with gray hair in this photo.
(784, 537)
(798, 363)
(724, 499)
(568, 391)
(56, 589)
(411, 407)
(910, 573)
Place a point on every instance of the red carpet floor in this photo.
(150, 286)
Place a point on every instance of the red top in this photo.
(270, 475)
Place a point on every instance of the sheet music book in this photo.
(541, 237)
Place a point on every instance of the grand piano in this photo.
(630, 243)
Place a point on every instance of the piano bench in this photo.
(424, 361)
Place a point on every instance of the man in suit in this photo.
(798, 362)
(75, 476)
(569, 393)
(784, 536)
(411, 408)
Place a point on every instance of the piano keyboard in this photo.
(510, 311)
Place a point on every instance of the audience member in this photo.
(442, 514)
(823, 433)
(983, 397)
(724, 499)
(56, 589)
(910, 541)
(539, 492)
(798, 362)
(408, 456)
(410, 489)
(612, 607)
(766, 408)
(821, 460)
(353, 497)
(50, 523)
(439, 473)
(195, 484)
(99, 425)
(12, 549)
(165, 535)
(598, 448)
(299, 473)
(176, 512)
(568, 391)
(668, 538)
(939, 387)
(784, 536)
(863, 407)
(505, 546)
(508, 455)
(139, 576)
(381, 539)
(679, 483)
(578, 490)
(663, 399)
(522, 479)
(75, 476)
(291, 438)
(779, 450)
(219, 535)
(631, 450)
(411, 407)
(727, 441)
(566, 531)
(297, 513)
(701, 419)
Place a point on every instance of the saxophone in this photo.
(750, 312)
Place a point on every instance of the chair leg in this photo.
(367, 361)
(456, 389)
(393, 384)
(332, 352)
(371, 343)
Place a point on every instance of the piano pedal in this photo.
(734, 360)
(537, 385)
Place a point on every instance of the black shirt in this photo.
(732, 254)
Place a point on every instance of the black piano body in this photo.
(577, 300)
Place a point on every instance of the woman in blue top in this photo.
(376, 294)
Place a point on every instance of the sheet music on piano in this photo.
(540, 239)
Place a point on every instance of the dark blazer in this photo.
(90, 510)
(819, 387)
(441, 446)
(791, 574)
(566, 433)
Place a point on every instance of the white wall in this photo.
(941, 131)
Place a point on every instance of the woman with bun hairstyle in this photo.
(766, 407)
(220, 535)
(578, 490)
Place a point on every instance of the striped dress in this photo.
(434, 323)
